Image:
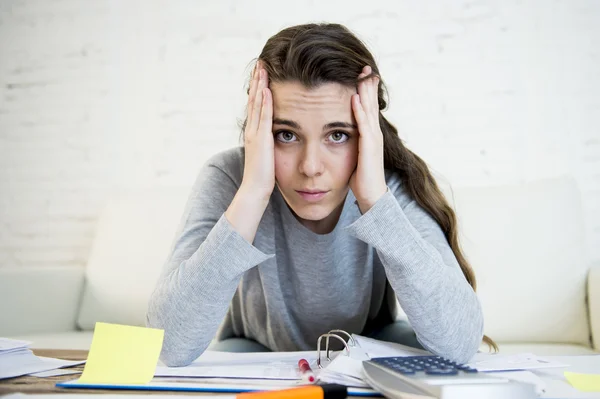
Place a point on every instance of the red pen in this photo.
(305, 370)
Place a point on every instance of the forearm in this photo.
(191, 300)
(441, 306)
(246, 211)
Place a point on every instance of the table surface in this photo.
(36, 385)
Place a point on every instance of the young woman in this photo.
(319, 222)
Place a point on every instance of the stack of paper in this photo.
(17, 359)
(348, 370)
(521, 361)
(126, 357)
(263, 365)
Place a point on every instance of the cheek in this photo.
(282, 167)
(348, 163)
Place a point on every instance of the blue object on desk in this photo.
(196, 387)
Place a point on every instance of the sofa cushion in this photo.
(542, 349)
(133, 238)
(526, 245)
(59, 340)
(39, 299)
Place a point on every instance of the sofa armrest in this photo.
(593, 292)
(39, 299)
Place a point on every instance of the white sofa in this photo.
(525, 242)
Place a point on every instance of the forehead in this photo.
(329, 100)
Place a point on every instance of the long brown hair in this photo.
(313, 54)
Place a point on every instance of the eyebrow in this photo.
(292, 124)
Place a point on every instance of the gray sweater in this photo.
(291, 285)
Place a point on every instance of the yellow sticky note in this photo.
(584, 382)
(122, 355)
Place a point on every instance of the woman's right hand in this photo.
(259, 163)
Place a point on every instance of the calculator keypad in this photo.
(431, 365)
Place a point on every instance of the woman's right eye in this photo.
(285, 136)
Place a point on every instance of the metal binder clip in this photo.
(351, 341)
(330, 334)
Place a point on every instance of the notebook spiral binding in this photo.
(331, 334)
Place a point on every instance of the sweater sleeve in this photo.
(441, 306)
(201, 276)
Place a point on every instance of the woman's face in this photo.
(316, 150)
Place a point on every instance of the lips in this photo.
(308, 191)
(312, 195)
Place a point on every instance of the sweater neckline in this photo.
(293, 223)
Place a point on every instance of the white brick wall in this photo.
(96, 96)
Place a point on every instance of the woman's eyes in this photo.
(339, 136)
(285, 136)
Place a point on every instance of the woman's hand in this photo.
(368, 180)
(251, 200)
(259, 163)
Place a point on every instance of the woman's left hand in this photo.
(368, 180)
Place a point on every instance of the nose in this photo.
(311, 163)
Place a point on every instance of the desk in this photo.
(35, 385)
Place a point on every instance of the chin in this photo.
(312, 212)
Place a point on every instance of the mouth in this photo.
(312, 195)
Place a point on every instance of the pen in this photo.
(305, 370)
(326, 391)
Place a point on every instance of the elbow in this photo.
(465, 352)
(176, 350)
(461, 345)
(459, 350)
(468, 343)
(176, 354)
(174, 359)
(170, 355)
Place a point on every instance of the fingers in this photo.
(363, 88)
(254, 111)
(252, 94)
(359, 112)
(368, 90)
(266, 113)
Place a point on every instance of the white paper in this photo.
(227, 358)
(9, 344)
(260, 365)
(55, 373)
(60, 363)
(343, 370)
(228, 382)
(376, 348)
(15, 364)
(557, 385)
(521, 361)
(524, 376)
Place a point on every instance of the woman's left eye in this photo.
(339, 137)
